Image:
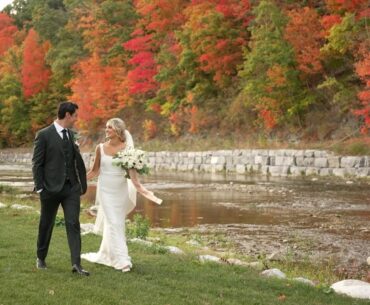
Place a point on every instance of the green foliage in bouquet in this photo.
(132, 159)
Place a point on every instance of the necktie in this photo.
(65, 138)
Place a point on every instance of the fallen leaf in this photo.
(281, 297)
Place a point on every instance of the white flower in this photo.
(131, 158)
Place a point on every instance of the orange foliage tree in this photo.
(35, 73)
(7, 31)
(363, 71)
(96, 89)
(304, 32)
(99, 84)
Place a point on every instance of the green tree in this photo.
(271, 84)
(14, 113)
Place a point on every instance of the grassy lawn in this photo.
(157, 277)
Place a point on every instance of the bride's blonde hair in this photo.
(119, 127)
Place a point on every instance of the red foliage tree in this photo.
(35, 73)
(304, 32)
(7, 31)
(328, 21)
(363, 71)
(354, 6)
(141, 77)
(217, 34)
(158, 20)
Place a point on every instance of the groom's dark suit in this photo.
(59, 171)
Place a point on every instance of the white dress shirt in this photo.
(59, 130)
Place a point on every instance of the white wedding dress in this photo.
(116, 197)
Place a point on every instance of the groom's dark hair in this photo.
(65, 107)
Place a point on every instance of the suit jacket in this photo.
(48, 161)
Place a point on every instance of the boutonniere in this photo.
(75, 137)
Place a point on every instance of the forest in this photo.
(282, 69)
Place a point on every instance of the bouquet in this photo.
(132, 158)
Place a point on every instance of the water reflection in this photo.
(189, 207)
(191, 199)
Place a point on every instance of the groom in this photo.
(59, 175)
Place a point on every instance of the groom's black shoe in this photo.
(40, 264)
(78, 269)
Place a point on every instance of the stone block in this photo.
(308, 162)
(321, 162)
(256, 168)
(182, 167)
(298, 153)
(363, 172)
(230, 168)
(229, 159)
(284, 161)
(334, 162)
(265, 170)
(298, 171)
(320, 153)
(246, 152)
(276, 171)
(312, 171)
(218, 160)
(240, 168)
(237, 152)
(260, 152)
(262, 160)
(340, 172)
(309, 153)
(289, 152)
(280, 152)
(352, 162)
(344, 172)
(326, 171)
(217, 168)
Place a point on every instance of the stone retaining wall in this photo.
(281, 162)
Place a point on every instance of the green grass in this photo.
(157, 278)
(8, 189)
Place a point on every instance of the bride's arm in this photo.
(94, 171)
(141, 189)
(135, 180)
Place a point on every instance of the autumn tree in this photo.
(35, 73)
(99, 83)
(202, 61)
(352, 6)
(304, 33)
(271, 84)
(7, 32)
(95, 89)
(15, 125)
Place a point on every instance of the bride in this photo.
(116, 198)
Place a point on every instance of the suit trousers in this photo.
(69, 198)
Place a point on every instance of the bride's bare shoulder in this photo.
(97, 148)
